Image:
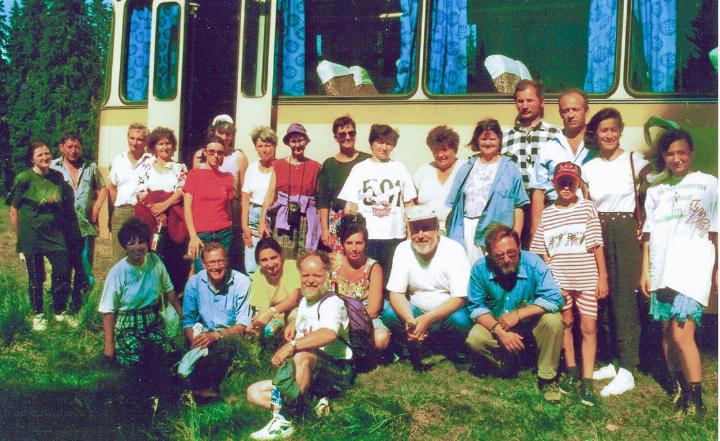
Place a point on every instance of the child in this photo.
(570, 240)
(680, 260)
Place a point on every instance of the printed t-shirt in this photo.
(331, 178)
(211, 193)
(380, 190)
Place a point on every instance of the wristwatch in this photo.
(219, 331)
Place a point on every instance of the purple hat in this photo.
(295, 128)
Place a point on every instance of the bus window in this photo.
(136, 62)
(337, 47)
(548, 38)
(670, 43)
(166, 51)
(255, 48)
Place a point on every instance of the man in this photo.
(331, 178)
(123, 184)
(432, 272)
(569, 145)
(527, 137)
(219, 299)
(90, 193)
(314, 360)
(513, 300)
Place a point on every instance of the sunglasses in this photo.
(427, 225)
(350, 134)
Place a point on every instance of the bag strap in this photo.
(472, 161)
(635, 192)
(325, 297)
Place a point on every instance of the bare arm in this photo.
(14, 220)
(645, 271)
(112, 192)
(175, 301)
(602, 289)
(324, 225)
(537, 205)
(245, 218)
(375, 292)
(314, 340)
(242, 163)
(263, 228)
(195, 242)
(519, 219)
(109, 334)
(99, 201)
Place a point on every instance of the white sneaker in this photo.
(277, 428)
(67, 319)
(605, 373)
(39, 323)
(322, 408)
(622, 383)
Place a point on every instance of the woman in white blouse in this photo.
(613, 177)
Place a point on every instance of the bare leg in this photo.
(589, 345)
(683, 340)
(381, 338)
(260, 393)
(568, 345)
(671, 356)
(304, 366)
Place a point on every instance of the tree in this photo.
(4, 133)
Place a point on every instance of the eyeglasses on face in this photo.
(511, 254)
(348, 134)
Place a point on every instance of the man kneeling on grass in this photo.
(219, 299)
(513, 300)
(314, 360)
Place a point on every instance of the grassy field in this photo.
(52, 387)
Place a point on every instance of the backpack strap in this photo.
(325, 297)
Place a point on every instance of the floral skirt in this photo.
(667, 304)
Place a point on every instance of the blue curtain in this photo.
(405, 65)
(138, 55)
(658, 21)
(602, 38)
(448, 47)
(293, 48)
(166, 51)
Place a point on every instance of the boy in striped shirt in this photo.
(569, 238)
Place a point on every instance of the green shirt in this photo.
(45, 210)
(330, 181)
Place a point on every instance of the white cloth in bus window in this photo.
(477, 188)
(433, 193)
(380, 190)
(506, 72)
(256, 183)
(679, 218)
(610, 184)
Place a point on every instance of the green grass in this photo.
(52, 386)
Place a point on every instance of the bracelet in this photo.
(274, 310)
(220, 333)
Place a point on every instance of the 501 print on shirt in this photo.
(381, 195)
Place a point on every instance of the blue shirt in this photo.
(90, 181)
(217, 309)
(534, 286)
(554, 152)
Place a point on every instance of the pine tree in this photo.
(4, 134)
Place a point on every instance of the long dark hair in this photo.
(663, 144)
(600, 116)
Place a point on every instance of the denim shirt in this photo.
(89, 183)
(217, 309)
(534, 286)
(556, 150)
(506, 194)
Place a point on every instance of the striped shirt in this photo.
(568, 236)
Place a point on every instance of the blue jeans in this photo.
(457, 324)
(253, 223)
(224, 237)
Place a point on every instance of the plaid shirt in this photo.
(522, 147)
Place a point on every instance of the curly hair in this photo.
(441, 136)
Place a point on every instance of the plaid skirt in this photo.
(292, 241)
(139, 335)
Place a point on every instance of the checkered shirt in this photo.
(522, 147)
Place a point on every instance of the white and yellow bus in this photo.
(414, 64)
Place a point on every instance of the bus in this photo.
(412, 64)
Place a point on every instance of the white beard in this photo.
(313, 297)
(426, 248)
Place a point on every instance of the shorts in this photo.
(332, 376)
(586, 302)
(667, 304)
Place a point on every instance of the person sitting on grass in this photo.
(133, 329)
(314, 360)
(432, 272)
(219, 299)
(569, 238)
(513, 300)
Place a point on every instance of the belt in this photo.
(615, 215)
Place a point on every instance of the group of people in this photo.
(497, 254)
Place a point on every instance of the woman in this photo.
(43, 220)
(356, 275)
(433, 180)
(612, 177)
(487, 189)
(134, 332)
(160, 184)
(290, 204)
(680, 261)
(275, 290)
(208, 193)
(254, 190)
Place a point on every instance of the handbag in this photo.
(170, 317)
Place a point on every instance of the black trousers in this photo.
(60, 287)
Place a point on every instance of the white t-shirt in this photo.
(477, 187)
(610, 184)
(256, 183)
(433, 193)
(129, 287)
(430, 284)
(333, 315)
(380, 189)
(169, 178)
(679, 218)
(125, 178)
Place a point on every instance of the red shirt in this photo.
(211, 193)
(297, 178)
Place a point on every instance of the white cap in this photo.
(420, 212)
(222, 118)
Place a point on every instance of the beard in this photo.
(314, 294)
(506, 272)
(427, 247)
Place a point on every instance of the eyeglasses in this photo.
(213, 263)
(427, 225)
(512, 254)
(214, 152)
(350, 134)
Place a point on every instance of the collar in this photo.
(60, 162)
(145, 156)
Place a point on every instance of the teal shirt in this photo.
(90, 181)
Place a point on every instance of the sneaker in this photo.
(322, 408)
(568, 383)
(676, 393)
(67, 319)
(605, 373)
(276, 428)
(587, 394)
(622, 383)
(39, 323)
(551, 392)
